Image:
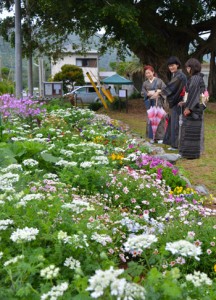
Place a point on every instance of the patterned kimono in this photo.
(192, 138)
(173, 92)
(156, 84)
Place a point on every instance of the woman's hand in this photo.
(155, 95)
(187, 112)
(181, 103)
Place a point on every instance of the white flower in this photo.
(5, 223)
(25, 234)
(72, 263)
(62, 235)
(56, 291)
(30, 162)
(66, 163)
(198, 278)
(101, 238)
(86, 164)
(12, 167)
(101, 280)
(49, 272)
(29, 197)
(1, 254)
(118, 287)
(7, 180)
(184, 248)
(136, 244)
(13, 260)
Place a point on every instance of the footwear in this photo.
(151, 141)
(172, 149)
(160, 141)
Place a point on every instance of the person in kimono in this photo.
(174, 92)
(149, 87)
(192, 137)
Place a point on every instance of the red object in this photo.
(183, 92)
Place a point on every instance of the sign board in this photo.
(123, 93)
(53, 89)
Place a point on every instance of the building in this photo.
(88, 62)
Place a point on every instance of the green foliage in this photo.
(7, 155)
(6, 87)
(95, 106)
(71, 75)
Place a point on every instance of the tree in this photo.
(152, 30)
(70, 75)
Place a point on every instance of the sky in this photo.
(5, 14)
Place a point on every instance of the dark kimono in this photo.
(174, 93)
(191, 138)
(156, 84)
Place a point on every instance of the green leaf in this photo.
(49, 157)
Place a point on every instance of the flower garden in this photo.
(88, 213)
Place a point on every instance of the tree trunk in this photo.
(18, 49)
(212, 76)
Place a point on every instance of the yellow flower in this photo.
(215, 267)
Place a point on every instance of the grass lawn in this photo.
(198, 171)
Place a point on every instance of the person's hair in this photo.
(148, 67)
(173, 60)
(194, 64)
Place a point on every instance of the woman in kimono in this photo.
(174, 92)
(191, 142)
(150, 86)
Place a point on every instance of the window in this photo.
(86, 62)
(91, 90)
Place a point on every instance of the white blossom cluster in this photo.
(13, 260)
(100, 160)
(103, 239)
(184, 248)
(198, 278)
(51, 176)
(5, 223)
(65, 163)
(17, 139)
(49, 272)
(67, 153)
(24, 235)
(29, 197)
(77, 240)
(86, 164)
(131, 225)
(55, 292)
(137, 243)
(72, 263)
(62, 235)
(1, 254)
(30, 162)
(7, 180)
(78, 206)
(12, 167)
(120, 288)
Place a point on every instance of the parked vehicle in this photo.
(86, 94)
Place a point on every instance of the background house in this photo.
(88, 62)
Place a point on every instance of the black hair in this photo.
(173, 60)
(194, 64)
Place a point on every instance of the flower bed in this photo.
(87, 213)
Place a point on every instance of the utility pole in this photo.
(18, 49)
(30, 58)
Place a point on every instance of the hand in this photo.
(187, 112)
(155, 95)
(181, 103)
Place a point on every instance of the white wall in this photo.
(71, 59)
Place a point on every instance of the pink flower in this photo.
(125, 190)
(208, 251)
